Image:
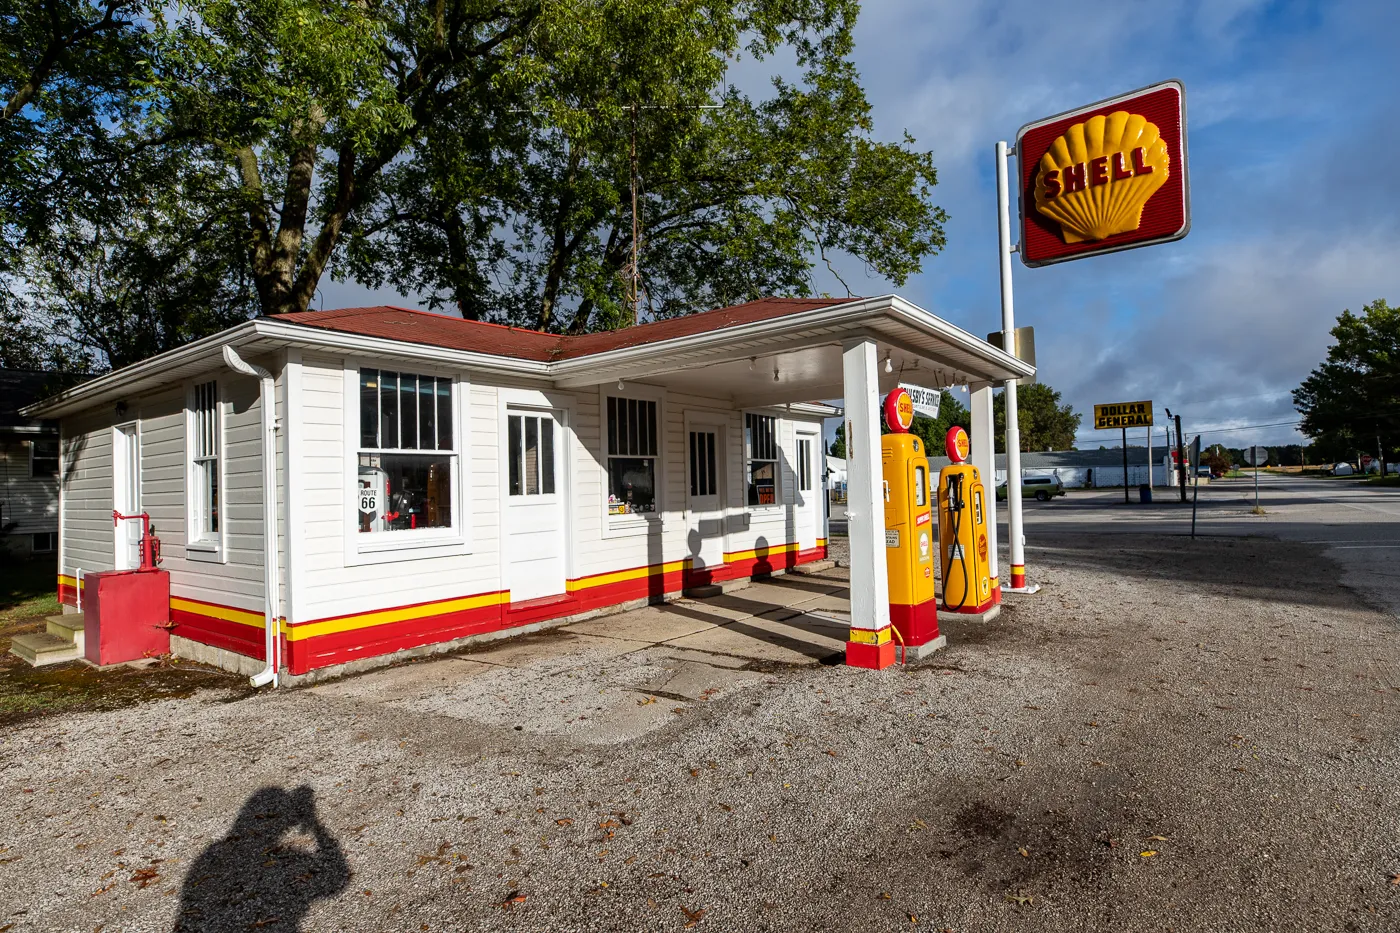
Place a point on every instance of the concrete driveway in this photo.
(615, 678)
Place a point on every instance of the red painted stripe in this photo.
(307, 654)
(218, 633)
(67, 595)
(339, 647)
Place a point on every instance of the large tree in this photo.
(482, 152)
(736, 198)
(1353, 397)
(1044, 423)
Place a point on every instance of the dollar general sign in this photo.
(1123, 415)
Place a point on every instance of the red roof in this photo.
(439, 330)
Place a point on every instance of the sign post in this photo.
(1126, 415)
(1196, 486)
(1256, 457)
(1013, 428)
(1092, 180)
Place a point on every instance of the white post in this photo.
(983, 437)
(869, 642)
(1014, 533)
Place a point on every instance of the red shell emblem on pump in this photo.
(957, 444)
(982, 547)
(899, 411)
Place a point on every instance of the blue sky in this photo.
(1293, 123)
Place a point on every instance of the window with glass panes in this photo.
(43, 458)
(406, 453)
(804, 464)
(761, 459)
(703, 481)
(530, 449)
(632, 445)
(204, 444)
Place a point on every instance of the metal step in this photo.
(41, 648)
(69, 627)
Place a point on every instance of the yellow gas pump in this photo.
(909, 528)
(962, 530)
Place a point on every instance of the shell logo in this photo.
(1098, 175)
(1104, 177)
(899, 411)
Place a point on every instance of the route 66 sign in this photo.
(369, 500)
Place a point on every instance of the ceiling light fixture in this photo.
(619, 385)
(775, 374)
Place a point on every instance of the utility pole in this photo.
(1380, 454)
(1180, 454)
(1126, 500)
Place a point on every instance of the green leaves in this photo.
(1354, 395)
(1043, 422)
(484, 153)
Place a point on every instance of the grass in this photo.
(1392, 479)
(27, 594)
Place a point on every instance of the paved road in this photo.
(1358, 525)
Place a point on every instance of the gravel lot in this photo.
(1167, 737)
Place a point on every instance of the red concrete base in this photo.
(978, 610)
(873, 657)
(917, 625)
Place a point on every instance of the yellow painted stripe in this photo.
(227, 613)
(775, 549)
(65, 580)
(621, 576)
(862, 636)
(821, 542)
(387, 616)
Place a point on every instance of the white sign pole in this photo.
(1008, 343)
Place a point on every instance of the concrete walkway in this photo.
(614, 678)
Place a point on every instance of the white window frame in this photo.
(58, 470)
(362, 549)
(33, 537)
(779, 487)
(197, 546)
(640, 523)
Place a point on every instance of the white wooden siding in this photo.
(32, 504)
(87, 532)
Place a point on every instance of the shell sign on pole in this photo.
(1105, 177)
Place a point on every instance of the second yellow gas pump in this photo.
(909, 530)
(962, 531)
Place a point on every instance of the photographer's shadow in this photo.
(261, 875)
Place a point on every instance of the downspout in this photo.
(267, 401)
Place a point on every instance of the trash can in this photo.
(1145, 494)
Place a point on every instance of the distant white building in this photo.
(1086, 468)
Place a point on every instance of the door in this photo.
(705, 499)
(126, 495)
(535, 503)
(808, 502)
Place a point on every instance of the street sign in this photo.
(1256, 456)
(1105, 177)
(1123, 415)
(925, 400)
